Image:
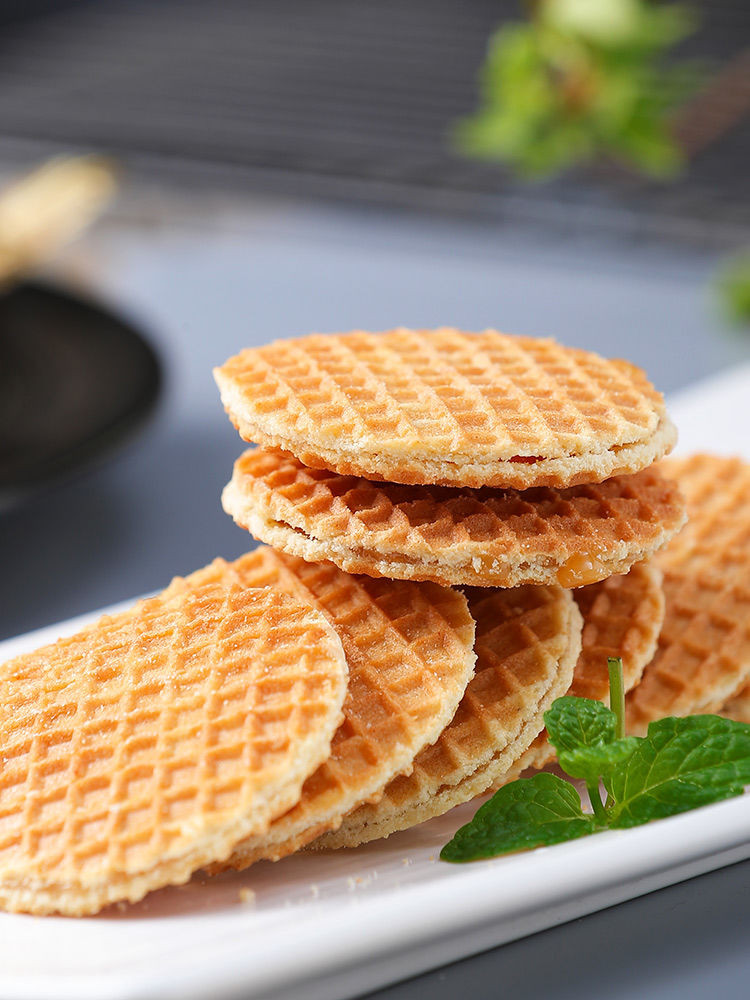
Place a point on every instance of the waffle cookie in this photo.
(148, 744)
(528, 640)
(410, 652)
(484, 538)
(738, 707)
(703, 657)
(622, 617)
(449, 408)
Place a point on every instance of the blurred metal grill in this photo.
(348, 98)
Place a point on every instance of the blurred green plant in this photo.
(583, 79)
(733, 286)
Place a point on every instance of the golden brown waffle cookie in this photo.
(447, 407)
(483, 538)
(622, 617)
(148, 744)
(410, 652)
(528, 640)
(703, 657)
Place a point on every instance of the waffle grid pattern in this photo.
(718, 491)
(390, 402)
(622, 616)
(703, 658)
(155, 737)
(486, 537)
(410, 653)
(527, 642)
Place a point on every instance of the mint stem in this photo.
(617, 694)
(592, 787)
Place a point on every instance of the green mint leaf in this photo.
(529, 812)
(679, 765)
(580, 82)
(579, 722)
(591, 763)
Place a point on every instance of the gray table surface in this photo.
(207, 279)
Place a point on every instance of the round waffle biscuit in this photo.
(487, 537)
(448, 408)
(703, 656)
(622, 617)
(528, 640)
(410, 652)
(148, 744)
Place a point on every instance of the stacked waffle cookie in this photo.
(516, 471)
(460, 528)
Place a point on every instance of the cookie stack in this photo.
(511, 468)
(461, 528)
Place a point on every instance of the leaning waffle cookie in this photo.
(148, 744)
(528, 640)
(622, 617)
(703, 657)
(486, 537)
(410, 652)
(447, 407)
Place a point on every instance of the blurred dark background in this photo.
(352, 100)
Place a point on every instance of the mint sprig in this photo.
(530, 812)
(680, 764)
(578, 82)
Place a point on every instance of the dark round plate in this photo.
(75, 380)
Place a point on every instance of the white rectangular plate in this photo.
(327, 926)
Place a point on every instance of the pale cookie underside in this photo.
(515, 473)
